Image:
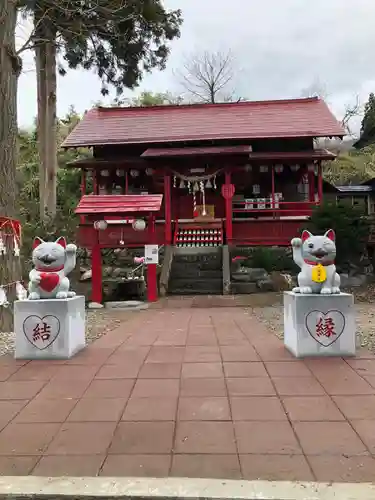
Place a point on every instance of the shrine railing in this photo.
(270, 207)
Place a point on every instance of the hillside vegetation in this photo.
(351, 167)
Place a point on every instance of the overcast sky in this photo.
(280, 47)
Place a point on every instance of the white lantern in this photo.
(105, 173)
(100, 225)
(263, 169)
(149, 171)
(294, 168)
(134, 172)
(139, 225)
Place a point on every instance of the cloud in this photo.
(280, 49)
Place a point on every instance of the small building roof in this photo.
(354, 189)
(291, 118)
(118, 204)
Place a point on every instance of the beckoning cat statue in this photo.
(53, 261)
(315, 255)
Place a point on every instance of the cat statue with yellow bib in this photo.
(315, 255)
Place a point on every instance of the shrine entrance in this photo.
(108, 221)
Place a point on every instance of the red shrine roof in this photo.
(118, 204)
(309, 117)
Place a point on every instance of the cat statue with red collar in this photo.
(315, 255)
(53, 261)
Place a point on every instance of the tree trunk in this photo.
(40, 65)
(45, 55)
(51, 145)
(10, 67)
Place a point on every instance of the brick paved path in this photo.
(189, 392)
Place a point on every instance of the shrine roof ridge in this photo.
(288, 118)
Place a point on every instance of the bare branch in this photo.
(207, 75)
(316, 89)
(351, 111)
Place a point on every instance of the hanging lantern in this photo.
(263, 169)
(208, 184)
(139, 225)
(149, 171)
(100, 225)
(104, 173)
(182, 184)
(134, 173)
(294, 168)
(279, 168)
(256, 189)
(119, 172)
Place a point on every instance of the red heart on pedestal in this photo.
(49, 281)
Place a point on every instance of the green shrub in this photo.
(268, 258)
(351, 227)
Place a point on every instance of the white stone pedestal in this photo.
(49, 328)
(319, 325)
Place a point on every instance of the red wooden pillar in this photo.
(96, 276)
(228, 207)
(152, 285)
(167, 209)
(320, 182)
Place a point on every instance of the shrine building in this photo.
(200, 175)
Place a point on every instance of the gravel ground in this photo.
(271, 314)
(273, 317)
(98, 323)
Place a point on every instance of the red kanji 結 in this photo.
(42, 331)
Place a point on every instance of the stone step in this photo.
(195, 286)
(201, 291)
(243, 288)
(208, 265)
(190, 283)
(196, 273)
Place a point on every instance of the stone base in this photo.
(127, 305)
(49, 328)
(319, 325)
